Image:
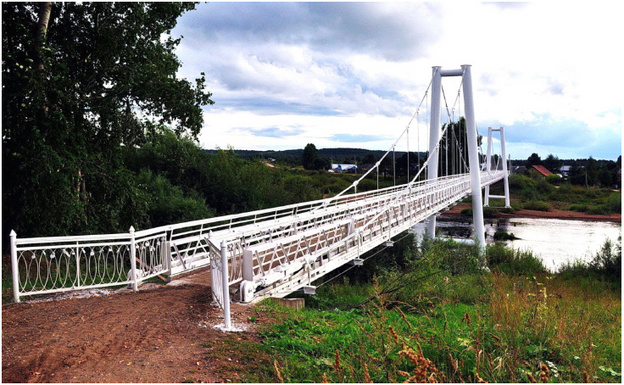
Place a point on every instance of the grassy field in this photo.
(514, 323)
(545, 193)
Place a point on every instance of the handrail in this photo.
(56, 264)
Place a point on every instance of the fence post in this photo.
(77, 264)
(135, 286)
(14, 267)
(226, 285)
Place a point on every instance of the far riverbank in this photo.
(551, 214)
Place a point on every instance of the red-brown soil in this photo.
(159, 334)
(552, 213)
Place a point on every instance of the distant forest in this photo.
(334, 155)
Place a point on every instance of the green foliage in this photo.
(605, 265)
(75, 96)
(382, 260)
(554, 179)
(367, 185)
(311, 160)
(537, 205)
(501, 235)
(500, 327)
(509, 261)
(167, 204)
(553, 164)
(534, 159)
(540, 194)
(614, 203)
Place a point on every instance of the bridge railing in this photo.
(46, 265)
(288, 264)
(55, 264)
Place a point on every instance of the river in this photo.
(555, 241)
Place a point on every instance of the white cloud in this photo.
(231, 128)
(287, 74)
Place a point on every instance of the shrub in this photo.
(501, 235)
(510, 261)
(544, 187)
(608, 261)
(614, 203)
(537, 205)
(606, 264)
(554, 179)
(598, 210)
(367, 185)
(580, 208)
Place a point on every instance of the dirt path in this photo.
(160, 334)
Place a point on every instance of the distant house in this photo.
(542, 170)
(344, 167)
(565, 170)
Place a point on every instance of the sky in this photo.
(354, 74)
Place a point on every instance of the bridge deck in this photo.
(275, 251)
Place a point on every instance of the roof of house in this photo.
(542, 170)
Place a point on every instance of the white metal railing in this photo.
(56, 264)
(278, 268)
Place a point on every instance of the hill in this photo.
(335, 155)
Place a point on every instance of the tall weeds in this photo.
(422, 325)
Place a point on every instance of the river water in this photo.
(555, 241)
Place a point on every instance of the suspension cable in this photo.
(394, 165)
(406, 130)
(408, 162)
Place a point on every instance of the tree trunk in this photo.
(42, 30)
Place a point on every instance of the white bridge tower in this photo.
(473, 155)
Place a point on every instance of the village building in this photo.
(542, 170)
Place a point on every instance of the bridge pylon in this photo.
(473, 153)
(488, 168)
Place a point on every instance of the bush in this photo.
(367, 185)
(167, 204)
(544, 188)
(614, 203)
(490, 212)
(608, 261)
(606, 264)
(598, 210)
(501, 235)
(513, 262)
(580, 208)
(554, 179)
(537, 205)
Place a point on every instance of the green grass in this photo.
(505, 325)
(537, 205)
(506, 260)
(543, 194)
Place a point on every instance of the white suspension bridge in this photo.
(274, 252)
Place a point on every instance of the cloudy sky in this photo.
(352, 74)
